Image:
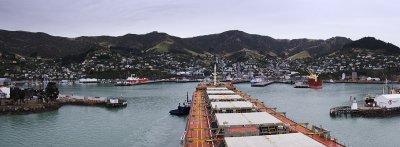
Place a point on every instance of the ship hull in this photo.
(137, 81)
(315, 84)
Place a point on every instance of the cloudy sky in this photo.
(316, 19)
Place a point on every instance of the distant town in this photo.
(107, 65)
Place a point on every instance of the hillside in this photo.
(371, 45)
(233, 41)
(233, 44)
(41, 44)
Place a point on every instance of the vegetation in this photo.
(301, 55)
(20, 96)
(374, 44)
(51, 91)
(74, 50)
(17, 95)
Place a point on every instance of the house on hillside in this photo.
(4, 90)
(4, 95)
(5, 82)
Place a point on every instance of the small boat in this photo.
(331, 81)
(260, 81)
(182, 110)
(182, 80)
(301, 84)
(89, 80)
(116, 102)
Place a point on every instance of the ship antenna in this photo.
(187, 96)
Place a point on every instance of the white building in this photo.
(388, 100)
(4, 92)
(286, 140)
(5, 81)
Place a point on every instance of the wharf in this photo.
(364, 82)
(301, 86)
(199, 131)
(33, 106)
(81, 100)
(91, 101)
(363, 111)
(262, 84)
(240, 81)
(153, 82)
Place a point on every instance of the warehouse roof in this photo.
(231, 105)
(220, 92)
(284, 140)
(217, 88)
(254, 118)
(224, 97)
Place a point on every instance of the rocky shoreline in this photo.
(29, 108)
(36, 107)
(45, 107)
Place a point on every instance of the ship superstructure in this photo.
(314, 81)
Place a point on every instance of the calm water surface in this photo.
(146, 122)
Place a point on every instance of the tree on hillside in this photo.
(29, 93)
(51, 91)
(40, 95)
(14, 92)
(17, 94)
(21, 96)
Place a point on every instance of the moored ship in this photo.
(89, 80)
(301, 84)
(260, 81)
(221, 115)
(134, 79)
(314, 82)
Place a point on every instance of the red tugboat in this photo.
(314, 82)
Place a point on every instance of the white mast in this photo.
(215, 71)
(215, 74)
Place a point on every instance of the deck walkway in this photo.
(198, 130)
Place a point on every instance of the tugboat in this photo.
(113, 102)
(182, 110)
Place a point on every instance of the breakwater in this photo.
(36, 107)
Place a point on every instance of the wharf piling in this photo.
(91, 101)
(262, 84)
(363, 112)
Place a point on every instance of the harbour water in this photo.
(146, 121)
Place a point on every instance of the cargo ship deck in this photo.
(201, 129)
